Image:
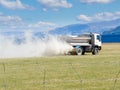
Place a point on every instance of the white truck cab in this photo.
(97, 39)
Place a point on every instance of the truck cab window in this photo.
(98, 37)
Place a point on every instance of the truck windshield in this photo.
(99, 37)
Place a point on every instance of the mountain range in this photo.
(110, 30)
(105, 27)
(115, 31)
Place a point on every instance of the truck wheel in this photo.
(83, 52)
(95, 51)
(79, 51)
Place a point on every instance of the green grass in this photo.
(88, 72)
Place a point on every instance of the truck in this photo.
(87, 42)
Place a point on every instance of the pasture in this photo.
(87, 72)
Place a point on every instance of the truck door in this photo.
(97, 40)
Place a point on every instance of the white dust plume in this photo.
(32, 46)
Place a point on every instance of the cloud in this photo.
(9, 23)
(96, 1)
(105, 16)
(9, 20)
(42, 26)
(17, 4)
(54, 4)
(16, 23)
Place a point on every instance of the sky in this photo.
(45, 15)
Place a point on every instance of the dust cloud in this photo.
(28, 45)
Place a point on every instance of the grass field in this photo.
(88, 72)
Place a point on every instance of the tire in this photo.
(83, 52)
(79, 51)
(95, 51)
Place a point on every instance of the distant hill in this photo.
(76, 29)
(70, 29)
(110, 31)
(115, 31)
